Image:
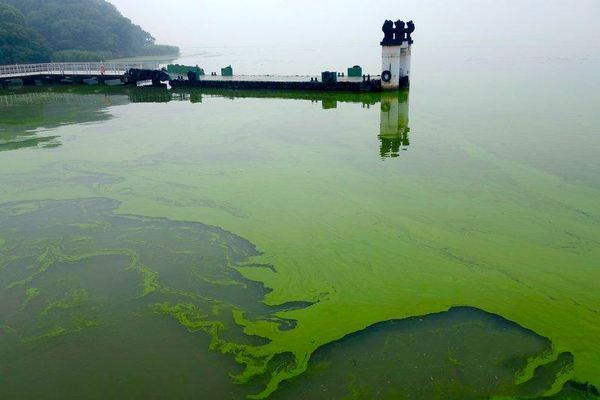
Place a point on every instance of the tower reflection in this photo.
(393, 127)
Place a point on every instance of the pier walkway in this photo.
(29, 74)
(87, 69)
(275, 78)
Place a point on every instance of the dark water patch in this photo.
(571, 390)
(139, 358)
(463, 353)
(190, 257)
(546, 374)
(269, 314)
(283, 324)
(266, 266)
(292, 305)
(95, 304)
(577, 390)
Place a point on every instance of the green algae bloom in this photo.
(31, 294)
(270, 236)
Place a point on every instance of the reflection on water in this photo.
(26, 115)
(393, 131)
(16, 141)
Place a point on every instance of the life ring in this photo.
(102, 69)
(386, 76)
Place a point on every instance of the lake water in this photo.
(439, 243)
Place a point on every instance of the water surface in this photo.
(146, 232)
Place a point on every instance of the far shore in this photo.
(165, 58)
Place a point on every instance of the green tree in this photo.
(18, 43)
(95, 26)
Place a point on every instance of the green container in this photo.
(355, 71)
(227, 71)
(183, 70)
(328, 77)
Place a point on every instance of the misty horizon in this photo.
(189, 23)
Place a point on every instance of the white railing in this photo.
(90, 68)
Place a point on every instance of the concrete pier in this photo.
(266, 82)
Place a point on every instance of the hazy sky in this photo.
(200, 23)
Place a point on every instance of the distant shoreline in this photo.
(171, 57)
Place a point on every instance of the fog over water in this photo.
(192, 23)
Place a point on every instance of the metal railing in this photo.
(89, 68)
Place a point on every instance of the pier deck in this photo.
(55, 72)
(276, 78)
(281, 82)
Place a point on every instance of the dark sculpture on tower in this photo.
(398, 32)
(388, 32)
(410, 28)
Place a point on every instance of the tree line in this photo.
(33, 31)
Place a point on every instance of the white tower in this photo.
(395, 55)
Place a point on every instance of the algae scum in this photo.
(292, 246)
(84, 289)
